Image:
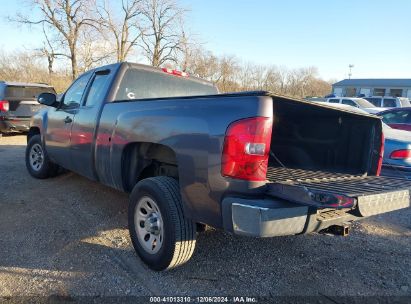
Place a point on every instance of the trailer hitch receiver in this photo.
(341, 230)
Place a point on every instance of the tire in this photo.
(176, 237)
(43, 168)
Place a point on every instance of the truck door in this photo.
(60, 121)
(85, 124)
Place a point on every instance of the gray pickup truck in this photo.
(251, 163)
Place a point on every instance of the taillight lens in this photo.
(332, 200)
(4, 105)
(381, 155)
(400, 154)
(175, 72)
(246, 149)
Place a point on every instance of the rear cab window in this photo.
(143, 84)
(23, 99)
(26, 92)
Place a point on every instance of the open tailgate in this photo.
(369, 195)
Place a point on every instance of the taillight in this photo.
(246, 149)
(381, 156)
(332, 200)
(400, 154)
(4, 106)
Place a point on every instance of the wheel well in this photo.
(142, 160)
(33, 131)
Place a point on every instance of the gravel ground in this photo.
(68, 236)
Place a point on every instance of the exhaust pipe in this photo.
(341, 230)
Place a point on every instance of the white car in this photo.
(356, 102)
(389, 102)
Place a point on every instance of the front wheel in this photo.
(37, 161)
(161, 234)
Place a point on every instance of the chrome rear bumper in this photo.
(272, 217)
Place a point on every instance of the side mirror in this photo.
(48, 99)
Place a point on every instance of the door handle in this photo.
(68, 120)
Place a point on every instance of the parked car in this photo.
(18, 102)
(389, 102)
(356, 102)
(397, 153)
(251, 163)
(397, 118)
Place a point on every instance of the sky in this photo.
(373, 35)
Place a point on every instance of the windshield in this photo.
(364, 103)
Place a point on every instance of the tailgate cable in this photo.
(308, 191)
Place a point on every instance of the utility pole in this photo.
(350, 66)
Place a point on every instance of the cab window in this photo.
(389, 103)
(375, 101)
(97, 89)
(74, 94)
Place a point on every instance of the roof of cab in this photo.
(160, 70)
(147, 68)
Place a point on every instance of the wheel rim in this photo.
(149, 225)
(36, 156)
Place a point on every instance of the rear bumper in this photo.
(15, 124)
(272, 217)
(263, 218)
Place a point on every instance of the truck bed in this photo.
(295, 185)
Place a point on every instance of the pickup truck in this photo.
(251, 163)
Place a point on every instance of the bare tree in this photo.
(67, 18)
(162, 32)
(92, 51)
(48, 51)
(187, 51)
(202, 64)
(26, 66)
(123, 28)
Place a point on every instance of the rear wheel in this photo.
(37, 161)
(161, 234)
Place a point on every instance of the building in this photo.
(373, 87)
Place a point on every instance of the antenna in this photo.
(350, 66)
